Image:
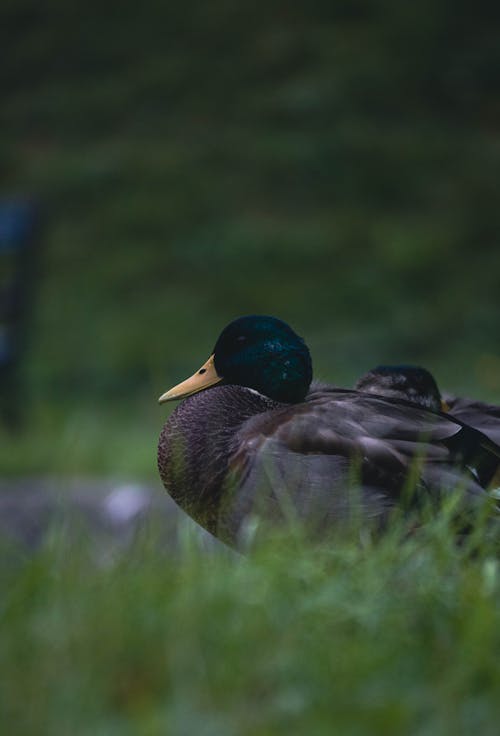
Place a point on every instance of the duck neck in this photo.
(197, 442)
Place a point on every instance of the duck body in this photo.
(418, 386)
(230, 452)
(478, 414)
(403, 382)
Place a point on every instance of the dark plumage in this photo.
(480, 415)
(406, 382)
(272, 446)
(418, 386)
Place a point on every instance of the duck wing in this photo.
(342, 453)
(478, 414)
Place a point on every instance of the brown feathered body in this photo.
(228, 453)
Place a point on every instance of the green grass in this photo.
(398, 636)
(85, 440)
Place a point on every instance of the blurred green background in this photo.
(333, 164)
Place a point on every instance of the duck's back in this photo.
(480, 415)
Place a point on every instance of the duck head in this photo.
(258, 352)
(409, 382)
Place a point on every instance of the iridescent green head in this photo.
(259, 352)
(265, 354)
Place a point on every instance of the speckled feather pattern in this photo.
(196, 445)
(228, 452)
(416, 386)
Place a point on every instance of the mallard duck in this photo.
(418, 385)
(405, 382)
(253, 437)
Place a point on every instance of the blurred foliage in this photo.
(334, 164)
(286, 641)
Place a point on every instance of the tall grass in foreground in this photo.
(395, 636)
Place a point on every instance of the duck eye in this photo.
(241, 338)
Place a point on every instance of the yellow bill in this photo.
(203, 378)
